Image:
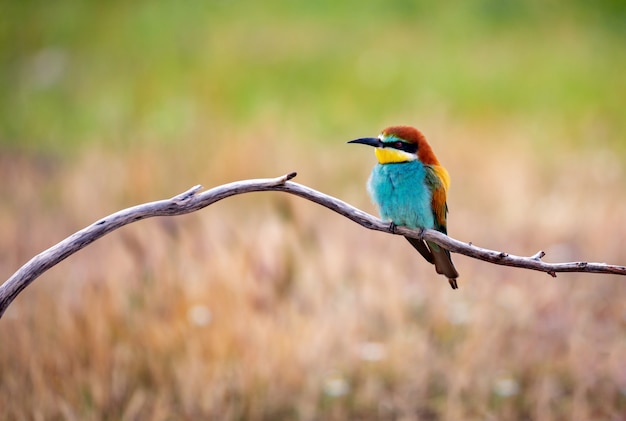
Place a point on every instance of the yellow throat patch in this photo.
(390, 156)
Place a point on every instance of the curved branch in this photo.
(191, 201)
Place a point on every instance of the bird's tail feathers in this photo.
(443, 264)
(420, 246)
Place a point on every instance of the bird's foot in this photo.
(392, 227)
(421, 236)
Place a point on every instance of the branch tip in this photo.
(186, 195)
(538, 255)
(283, 178)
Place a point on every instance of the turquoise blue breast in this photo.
(401, 194)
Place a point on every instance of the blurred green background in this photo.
(268, 307)
(78, 72)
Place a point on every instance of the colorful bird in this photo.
(409, 187)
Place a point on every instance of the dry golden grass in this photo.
(267, 307)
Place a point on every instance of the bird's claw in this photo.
(421, 235)
(392, 227)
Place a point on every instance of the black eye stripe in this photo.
(402, 146)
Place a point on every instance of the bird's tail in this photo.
(439, 257)
(443, 264)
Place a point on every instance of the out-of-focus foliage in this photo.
(77, 72)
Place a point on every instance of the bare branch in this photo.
(191, 201)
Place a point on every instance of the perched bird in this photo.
(409, 187)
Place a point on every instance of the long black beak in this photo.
(371, 141)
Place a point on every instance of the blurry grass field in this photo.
(268, 307)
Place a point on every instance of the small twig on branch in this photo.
(191, 201)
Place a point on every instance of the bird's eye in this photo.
(398, 145)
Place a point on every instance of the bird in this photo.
(409, 187)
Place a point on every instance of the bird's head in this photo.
(398, 144)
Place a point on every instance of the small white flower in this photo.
(336, 386)
(199, 315)
(372, 351)
(506, 386)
